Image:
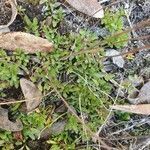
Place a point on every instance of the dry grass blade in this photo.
(132, 39)
(25, 41)
(13, 4)
(143, 109)
(133, 51)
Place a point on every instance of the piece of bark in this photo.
(89, 7)
(8, 125)
(143, 109)
(31, 93)
(25, 41)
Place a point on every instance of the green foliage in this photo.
(6, 140)
(113, 20)
(10, 67)
(33, 124)
(123, 116)
(85, 87)
(31, 26)
(114, 23)
(55, 12)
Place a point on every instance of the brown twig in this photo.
(131, 51)
(12, 101)
(135, 27)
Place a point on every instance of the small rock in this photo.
(4, 30)
(118, 60)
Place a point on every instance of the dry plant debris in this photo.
(89, 7)
(143, 109)
(25, 41)
(8, 125)
(143, 96)
(31, 93)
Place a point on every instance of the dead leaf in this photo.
(31, 93)
(54, 129)
(143, 109)
(8, 125)
(89, 7)
(28, 42)
(13, 4)
(143, 96)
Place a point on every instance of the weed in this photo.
(31, 26)
(114, 23)
(85, 87)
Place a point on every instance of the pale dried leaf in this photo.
(6, 124)
(143, 109)
(25, 41)
(13, 4)
(31, 93)
(89, 7)
(143, 96)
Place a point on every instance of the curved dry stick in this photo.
(13, 4)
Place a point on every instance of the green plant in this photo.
(55, 12)
(33, 124)
(10, 67)
(31, 26)
(6, 140)
(85, 86)
(85, 77)
(114, 23)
